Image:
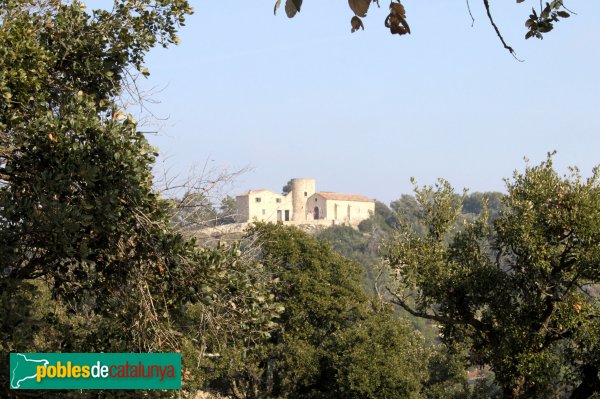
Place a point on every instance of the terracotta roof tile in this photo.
(344, 197)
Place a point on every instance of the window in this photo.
(257, 199)
(278, 200)
(305, 194)
(264, 211)
(316, 200)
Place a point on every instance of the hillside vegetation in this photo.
(93, 258)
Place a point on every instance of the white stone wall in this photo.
(264, 205)
(337, 211)
(302, 189)
(317, 201)
(351, 212)
(300, 203)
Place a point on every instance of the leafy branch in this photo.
(396, 21)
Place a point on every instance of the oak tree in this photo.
(519, 291)
(89, 259)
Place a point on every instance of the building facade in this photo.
(303, 205)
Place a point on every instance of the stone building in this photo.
(303, 205)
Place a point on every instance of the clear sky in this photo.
(364, 112)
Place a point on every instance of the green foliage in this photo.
(235, 317)
(77, 208)
(193, 211)
(379, 358)
(405, 212)
(383, 221)
(408, 213)
(352, 244)
(474, 204)
(76, 181)
(363, 246)
(446, 376)
(512, 291)
(328, 333)
(550, 13)
(89, 261)
(227, 210)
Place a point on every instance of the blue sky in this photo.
(364, 112)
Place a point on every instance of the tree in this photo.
(194, 211)
(193, 198)
(287, 188)
(89, 259)
(76, 178)
(539, 21)
(329, 341)
(227, 210)
(473, 203)
(77, 208)
(384, 220)
(379, 357)
(407, 212)
(518, 291)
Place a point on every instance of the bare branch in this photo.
(470, 14)
(196, 197)
(486, 3)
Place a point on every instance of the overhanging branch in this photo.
(476, 324)
(486, 3)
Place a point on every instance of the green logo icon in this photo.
(24, 368)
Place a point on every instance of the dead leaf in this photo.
(396, 20)
(277, 4)
(356, 24)
(398, 9)
(359, 7)
(292, 7)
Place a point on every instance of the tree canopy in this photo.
(332, 340)
(517, 291)
(89, 258)
(285, 190)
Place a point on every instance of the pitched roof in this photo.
(344, 197)
(258, 192)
